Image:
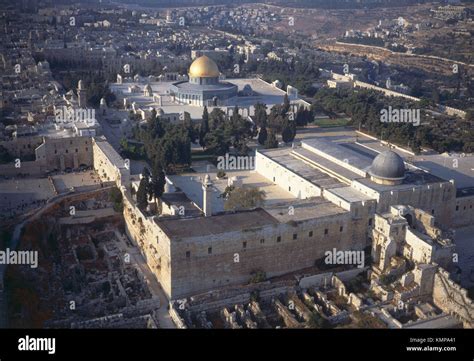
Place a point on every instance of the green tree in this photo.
(142, 194)
(287, 134)
(260, 116)
(216, 142)
(173, 149)
(470, 115)
(289, 129)
(244, 198)
(188, 124)
(303, 116)
(146, 174)
(155, 127)
(286, 104)
(204, 129)
(262, 135)
(276, 122)
(238, 131)
(158, 181)
(257, 276)
(271, 141)
(217, 118)
(115, 196)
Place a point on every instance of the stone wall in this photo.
(286, 179)
(452, 299)
(463, 211)
(153, 244)
(109, 165)
(422, 251)
(62, 153)
(232, 263)
(437, 199)
(321, 279)
(21, 147)
(386, 92)
(51, 154)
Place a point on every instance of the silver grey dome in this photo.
(388, 165)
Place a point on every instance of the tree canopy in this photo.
(244, 198)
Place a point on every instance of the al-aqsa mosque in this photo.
(204, 86)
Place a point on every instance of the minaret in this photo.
(207, 196)
(81, 95)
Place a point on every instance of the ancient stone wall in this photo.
(437, 199)
(463, 211)
(21, 147)
(452, 299)
(230, 261)
(62, 153)
(152, 242)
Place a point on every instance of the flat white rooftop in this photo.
(459, 167)
(264, 93)
(340, 153)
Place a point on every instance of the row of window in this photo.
(188, 253)
(464, 208)
(70, 143)
(67, 150)
(262, 241)
(29, 146)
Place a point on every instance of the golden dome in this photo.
(203, 67)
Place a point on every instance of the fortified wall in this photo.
(275, 248)
(453, 299)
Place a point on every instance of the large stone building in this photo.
(358, 174)
(339, 196)
(39, 155)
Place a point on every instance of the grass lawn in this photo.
(199, 157)
(328, 123)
